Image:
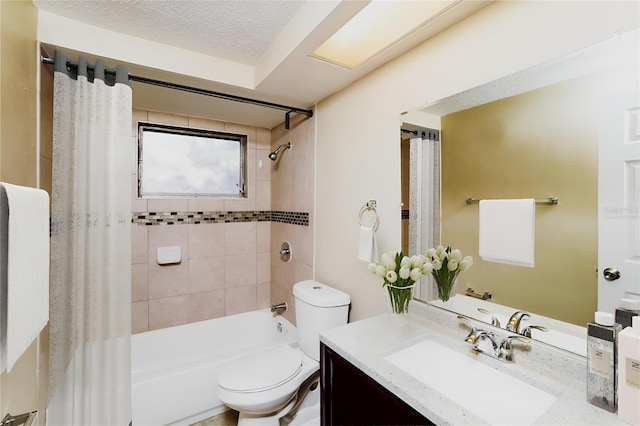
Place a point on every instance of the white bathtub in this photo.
(174, 371)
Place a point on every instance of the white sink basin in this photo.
(490, 394)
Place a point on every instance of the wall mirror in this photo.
(533, 134)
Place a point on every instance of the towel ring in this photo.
(370, 206)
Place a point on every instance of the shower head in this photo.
(275, 153)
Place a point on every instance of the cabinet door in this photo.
(351, 397)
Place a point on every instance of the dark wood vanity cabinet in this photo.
(350, 397)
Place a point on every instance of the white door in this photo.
(619, 189)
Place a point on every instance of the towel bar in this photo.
(553, 201)
(370, 205)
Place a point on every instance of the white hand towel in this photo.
(507, 231)
(24, 213)
(367, 245)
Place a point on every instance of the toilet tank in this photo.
(318, 308)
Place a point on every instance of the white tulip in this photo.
(388, 262)
(455, 255)
(381, 271)
(437, 265)
(416, 273)
(404, 273)
(452, 265)
(405, 262)
(372, 268)
(427, 268)
(417, 261)
(391, 276)
(431, 253)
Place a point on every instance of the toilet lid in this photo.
(261, 371)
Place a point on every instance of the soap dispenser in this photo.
(627, 310)
(602, 336)
(629, 373)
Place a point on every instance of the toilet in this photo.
(266, 386)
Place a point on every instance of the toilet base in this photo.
(308, 414)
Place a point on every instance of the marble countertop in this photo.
(367, 342)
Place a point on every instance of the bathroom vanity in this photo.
(375, 371)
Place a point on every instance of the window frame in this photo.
(197, 132)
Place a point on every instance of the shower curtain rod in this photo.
(220, 95)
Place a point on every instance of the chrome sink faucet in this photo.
(502, 351)
(514, 321)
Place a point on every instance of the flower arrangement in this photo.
(445, 265)
(399, 276)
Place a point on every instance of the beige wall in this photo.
(19, 390)
(225, 267)
(292, 177)
(358, 154)
(539, 144)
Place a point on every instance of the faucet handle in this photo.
(494, 320)
(468, 322)
(514, 320)
(506, 347)
(526, 332)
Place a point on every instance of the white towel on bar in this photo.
(24, 220)
(367, 245)
(507, 231)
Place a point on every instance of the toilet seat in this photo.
(262, 371)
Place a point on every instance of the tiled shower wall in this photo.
(226, 266)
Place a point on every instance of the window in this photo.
(181, 162)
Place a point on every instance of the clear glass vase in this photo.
(398, 299)
(445, 288)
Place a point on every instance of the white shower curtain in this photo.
(424, 201)
(90, 295)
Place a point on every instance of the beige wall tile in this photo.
(263, 237)
(263, 267)
(206, 274)
(263, 296)
(168, 312)
(139, 317)
(139, 282)
(263, 164)
(139, 244)
(204, 204)
(168, 280)
(166, 236)
(205, 123)
(263, 138)
(240, 270)
(206, 240)
(242, 204)
(263, 195)
(206, 305)
(240, 299)
(167, 205)
(164, 118)
(240, 238)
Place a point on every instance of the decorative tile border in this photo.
(180, 218)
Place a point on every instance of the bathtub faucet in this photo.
(279, 308)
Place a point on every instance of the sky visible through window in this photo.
(175, 164)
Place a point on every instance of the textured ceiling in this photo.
(237, 30)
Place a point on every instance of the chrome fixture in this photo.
(552, 201)
(485, 296)
(285, 251)
(514, 321)
(526, 332)
(502, 351)
(494, 320)
(279, 308)
(274, 155)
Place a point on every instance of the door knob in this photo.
(611, 274)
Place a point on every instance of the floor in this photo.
(228, 418)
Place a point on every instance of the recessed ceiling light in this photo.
(377, 26)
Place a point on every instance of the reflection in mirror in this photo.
(530, 135)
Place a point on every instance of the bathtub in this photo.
(174, 371)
